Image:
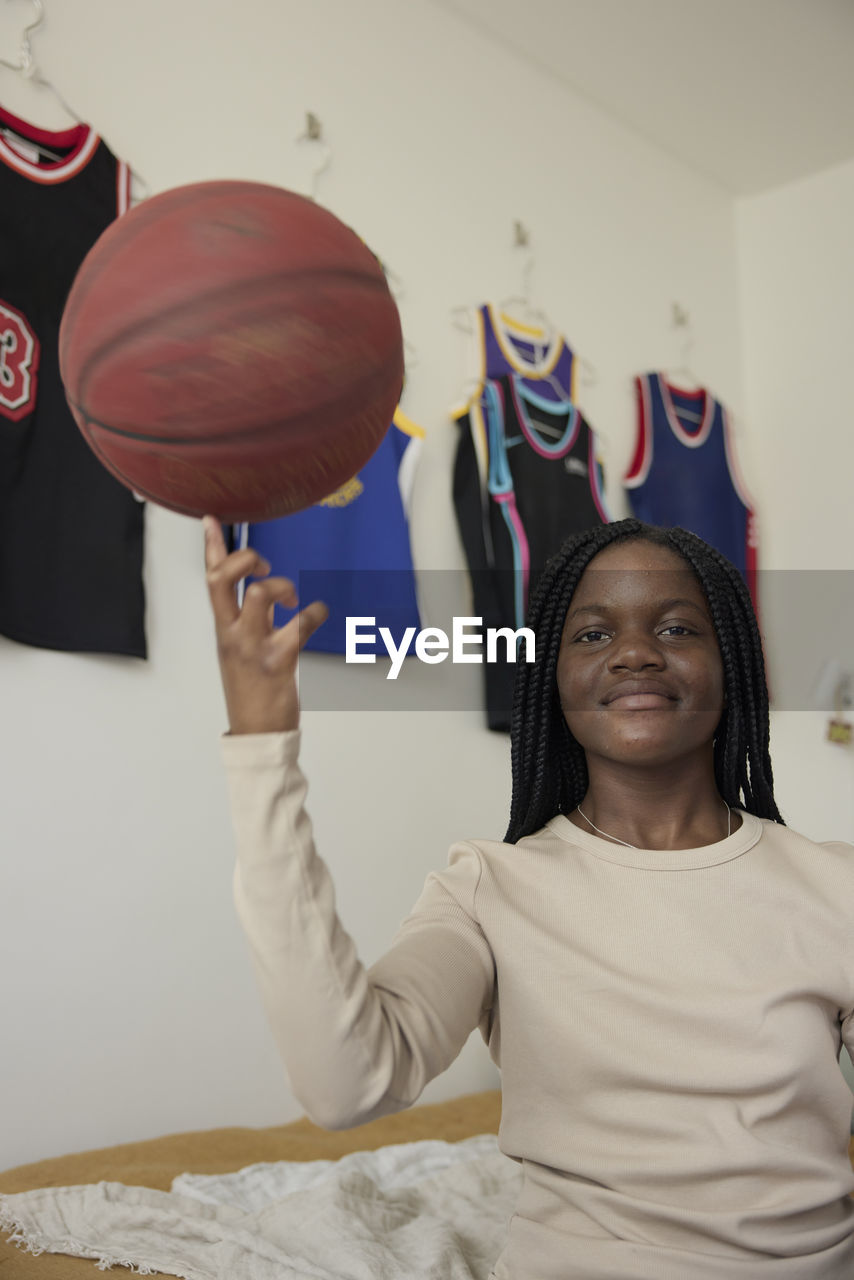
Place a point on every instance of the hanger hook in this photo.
(27, 60)
(681, 318)
(522, 240)
(26, 63)
(313, 127)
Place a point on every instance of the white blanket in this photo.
(425, 1211)
(399, 1165)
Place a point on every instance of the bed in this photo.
(155, 1163)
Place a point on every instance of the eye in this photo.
(590, 637)
(677, 629)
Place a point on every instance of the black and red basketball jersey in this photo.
(71, 536)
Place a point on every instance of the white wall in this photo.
(796, 277)
(796, 281)
(130, 1008)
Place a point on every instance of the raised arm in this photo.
(356, 1043)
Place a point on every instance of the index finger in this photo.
(215, 549)
(224, 571)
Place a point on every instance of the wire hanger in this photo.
(520, 303)
(683, 374)
(398, 292)
(524, 311)
(26, 67)
(520, 308)
(461, 316)
(313, 135)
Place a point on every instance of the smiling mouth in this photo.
(640, 701)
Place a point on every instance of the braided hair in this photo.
(549, 766)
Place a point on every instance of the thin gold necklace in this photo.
(635, 846)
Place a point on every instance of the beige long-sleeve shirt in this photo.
(667, 1025)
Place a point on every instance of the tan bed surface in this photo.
(156, 1162)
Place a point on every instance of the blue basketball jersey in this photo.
(539, 357)
(684, 471)
(351, 550)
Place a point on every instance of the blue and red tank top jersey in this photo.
(684, 472)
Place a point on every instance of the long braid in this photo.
(747, 757)
(549, 769)
(548, 765)
(730, 764)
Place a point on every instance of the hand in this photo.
(257, 661)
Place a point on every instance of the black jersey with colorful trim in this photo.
(71, 536)
(536, 461)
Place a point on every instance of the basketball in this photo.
(231, 348)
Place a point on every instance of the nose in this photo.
(635, 650)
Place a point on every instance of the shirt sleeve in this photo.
(357, 1043)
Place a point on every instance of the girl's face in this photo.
(639, 672)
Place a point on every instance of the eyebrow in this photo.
(661, 606)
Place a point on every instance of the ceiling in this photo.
(752, 93)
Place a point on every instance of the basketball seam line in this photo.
(259, 431)
(207, 299)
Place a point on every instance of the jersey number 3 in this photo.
(19, 362)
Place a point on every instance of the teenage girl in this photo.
(662, 969)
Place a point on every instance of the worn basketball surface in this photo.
(232, 348)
